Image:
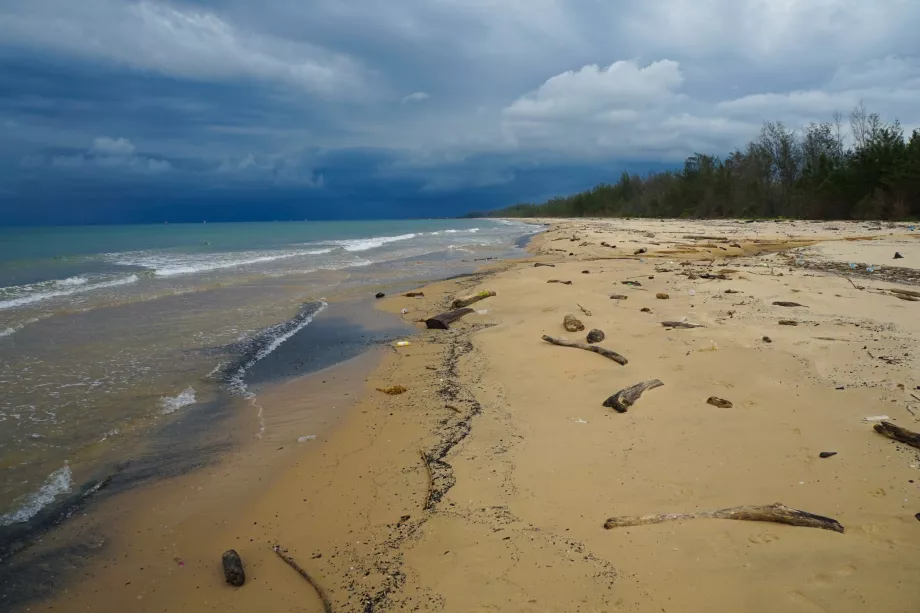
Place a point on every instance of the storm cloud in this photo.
(122, 110)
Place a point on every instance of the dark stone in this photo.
(767, 339)
(233, 568)
(379, 295)
(646, 310)
(586, 272)
(898, 256)
(596, 336)
(827, 454)
(640, 251)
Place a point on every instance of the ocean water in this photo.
(107, 333)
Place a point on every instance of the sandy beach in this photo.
(486, 485)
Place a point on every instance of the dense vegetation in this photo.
(783, 173)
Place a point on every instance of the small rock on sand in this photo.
(379, 295)
(827, 454)
(722, 403)
(596, 336)
(662, 296)
(767, 339)
(233, 568)
(618, 297)
(572, 324)
(645, 310)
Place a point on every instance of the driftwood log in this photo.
(539, 264)
(465, 301)
(681, 324)
(443, 321)
(427, 462)
(898, 433)
(414, 294)
(625, 398)
(558, 281)
(616, 357)
(327, 605)
(905, 292)
(786, 303)
(776, 513)
(619, 297)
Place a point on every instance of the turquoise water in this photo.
(109, 331)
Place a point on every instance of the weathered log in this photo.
(776, 513)
(427, 462)
(465, 301)
(558, 281)
(443, 321)
(539, 264)
(327, 605)
(788, 322)
(898, 433)
(233, 568)
(907, 298)
(786, 303)
(618, 297)
(681, 324)
(905, 292)
(572, 323)
(616, 357)
(414, 294)
(625, 398)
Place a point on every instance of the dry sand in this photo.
(524, 465)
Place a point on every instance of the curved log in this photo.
(776, 513)
(616, 357)
(625, 398)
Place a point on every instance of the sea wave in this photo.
(364, 244)
(45, 290)
(174, 264)
(266, 342)
(28, 506)
(174, 403)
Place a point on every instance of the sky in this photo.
(124, 111)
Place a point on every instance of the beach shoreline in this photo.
(485, 486)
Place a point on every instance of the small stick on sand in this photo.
(625, 398)
(681, 324)
(584, 310)
(777, 513)
(327, 606)
(465, 301)
(427, 462)
(786, 303)
(616, 357)
(899, 434)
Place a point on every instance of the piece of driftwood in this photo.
(722, 403)
(632, 283)
(907, 298)
(788, 322)
(414, 294)
(393, 390)
(681, 324)
(616, 357)
(625, 398)
(898, 433)
(776, 513)
(662, 296)
(583, 310)
(905, 292)
(427, 462)
(786, 303)
(539, 264)
(443, 321)
(618, 297)
(465, 301)
(572, 323)
(558, 281)
(327, 605)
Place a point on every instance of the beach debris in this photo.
(558, 281)
(426, 460)
(482, 311)
(897, 433)
(707, 275)
(640, 251)
(596, 336)
(618, 296)
(907, 298)
(393, 390)
(711, 347)
(586, 272)
(233, 568)
(776, 513)
(735, 245)
(625, 398)
(327, 605)
(788, 322)
(897, 256)
(904, 292)
(443, 321)
(722, 403)
(662, 296)
(606, 244)
(539, 264)
(767, 339)
(572, 323)
(379, 295)
(786, 303)
(631, 283)
(616, 357)
(465, 301)
(732, 291)
(453, 408)
(414, 294)
(304, 439)
(645, 310)
(405, 311)
(402, 343)
(681, 324)
(874, 417)
(827, 454)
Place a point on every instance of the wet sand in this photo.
(486, 485)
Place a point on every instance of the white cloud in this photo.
(416, 97)
(111, 153)
(289, 169)
(104, 145)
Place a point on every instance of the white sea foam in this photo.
(363, 244)
(36, 292)
(174, 264)
(28, 506)
(173, 404)
(16, 328)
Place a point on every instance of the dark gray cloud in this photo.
(465, 101)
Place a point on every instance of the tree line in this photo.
(820, 172)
